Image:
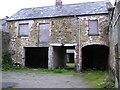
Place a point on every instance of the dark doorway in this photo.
(70, 57)
(60, 55)
(95, 57)
(36, 57)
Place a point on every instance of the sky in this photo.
(10, 7)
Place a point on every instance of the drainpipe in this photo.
(80, 61)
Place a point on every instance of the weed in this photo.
(94, 77)
(7, 58)
(71, 65)
(8, 87)
(108, 82)
(60, 71)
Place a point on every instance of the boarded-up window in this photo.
(23, 29)
(93, 27)
(44, 32)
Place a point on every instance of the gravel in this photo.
(42, 80)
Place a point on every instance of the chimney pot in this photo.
(58, 3)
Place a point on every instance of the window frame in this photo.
(44, 29)
(96, 34)
(19, 35)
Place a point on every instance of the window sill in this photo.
(23, 36)
(94, 35)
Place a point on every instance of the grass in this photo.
(8, 87)
(70, 65)
(97, 79)
(38, 70)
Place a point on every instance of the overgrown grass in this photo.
(38, 70)
(70, 65)
(8, 87)
(97, 79)
(7, 65)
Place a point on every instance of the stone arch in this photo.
(95, 56)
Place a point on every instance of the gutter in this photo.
(111, 17)
(20, 19)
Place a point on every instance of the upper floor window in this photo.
(23, 29)
(44, 32)
(93, 27)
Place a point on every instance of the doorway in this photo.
(36, 57)
(95, 57)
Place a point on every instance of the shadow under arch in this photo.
(95, 56)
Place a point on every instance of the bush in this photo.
(7, 63)
(7, 58)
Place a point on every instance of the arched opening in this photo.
(95, 57)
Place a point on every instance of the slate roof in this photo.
(65, 10)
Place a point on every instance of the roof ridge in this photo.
(62, 5)
(85, 8)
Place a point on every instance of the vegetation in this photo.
(8, 87)
(70, 65)
(98, 79)
(108, 82)
(7, 63)
(6, 58)
(39, 70)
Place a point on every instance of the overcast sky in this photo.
(10, 7)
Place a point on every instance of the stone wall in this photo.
(5, 37)
(114, 35)
(5, 42)
(64, 31)
(102, 38)
(86, 39)
(0, 47)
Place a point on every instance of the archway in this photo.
(95, 57)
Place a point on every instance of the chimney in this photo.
(58, 3)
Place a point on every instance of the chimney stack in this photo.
(58, 3)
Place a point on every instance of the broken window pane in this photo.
(44, 32)
(93, 27)
(23, 29)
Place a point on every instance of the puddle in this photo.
(8, 84)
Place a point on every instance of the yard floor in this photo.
(58, 78)
(41, 80)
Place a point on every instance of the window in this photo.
(44, 32)
(93, 27)
(23, 29)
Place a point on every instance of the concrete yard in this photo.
(42, 80)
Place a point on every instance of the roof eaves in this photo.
(103, 13)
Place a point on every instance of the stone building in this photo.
(42, 36)
(114, 36)
(4, 34)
